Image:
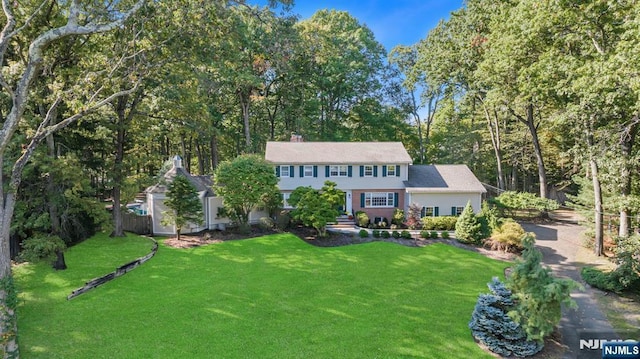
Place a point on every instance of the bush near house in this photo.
(363, 233)
(440, 223)
(468, 228)
(362, 219)
(444, 235)
(385, 234)
(626, 276)
(405, 235)
(507, 237)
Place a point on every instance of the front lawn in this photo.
(267, 297)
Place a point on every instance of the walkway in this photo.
(561, 245)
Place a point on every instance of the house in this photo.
(376, 177)
(211, 204)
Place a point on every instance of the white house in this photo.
(211, 203)
(376, 177)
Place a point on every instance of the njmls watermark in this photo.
(609, 345)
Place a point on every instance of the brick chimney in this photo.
(296, 138)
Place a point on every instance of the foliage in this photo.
(376, 233)
(183, 204)
(425, 234)
(398, 217)
(439, 223)
(362, 219)
(489, 219)
(385, 234)
(507, 237)
(315, 208)
(468, 229)
(405, 235)
(41, 247)
(626, 276)
(363, 233)
(413, 216)
(492, 326)
(444, 234)
(434, 234)
(512, 201)
(395, 234)
(538, 294)
(245, 183)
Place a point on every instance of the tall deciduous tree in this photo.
(244, 183)
(81, 20)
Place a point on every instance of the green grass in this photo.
(268, 297)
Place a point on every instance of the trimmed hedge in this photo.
(442, 223)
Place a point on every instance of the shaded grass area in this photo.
(267, 297)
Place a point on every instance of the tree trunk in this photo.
(626, 143)
(118, 175)
(494, 131)
(244, 104)
(542, 173)
(597, 195)
(59, 263)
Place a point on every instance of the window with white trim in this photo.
(308, 171)
(391, 170)
(338, 171)
(459, 211)
(378, 199)
(284, 171)
(285, 200)
(428, 211)
(368, 171)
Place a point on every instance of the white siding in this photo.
(445, 201)
(345, 183)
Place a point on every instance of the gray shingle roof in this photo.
(201, 183)
(337, 153)
(442, 178)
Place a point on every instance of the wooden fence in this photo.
(134, 223)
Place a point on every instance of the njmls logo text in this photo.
(598, 343)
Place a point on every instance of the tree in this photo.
(316, 208)
(244, 183)
(80, 20)
(491, 325)
(538, 294)
(184, 204)
(468, 228)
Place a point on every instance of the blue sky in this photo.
(394, 22)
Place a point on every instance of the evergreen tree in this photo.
(538, 294)
(468, 228)
(182, 200)
(491, 325)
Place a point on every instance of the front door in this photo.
(348, 207)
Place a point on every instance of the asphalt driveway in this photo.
(560, 244)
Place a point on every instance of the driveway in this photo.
(561, 244)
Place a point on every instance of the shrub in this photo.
(405, 235)
(507, 237)
(425, 234)
(413, 216)
(376, 233)
(433, 234)
(385, 234)
(398, 217)
(395, 234)
(626, 276)
(44, 247)
(601, 280)
(444, 234)
(491, 325)
(283, 220)
(468, 229)
(489, 219)
(266, 223)
(362, 219)
(538, 294)
(441, 223)
(363, 233)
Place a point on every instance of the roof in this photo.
(201, 183)
(442, 178)
(337, 153)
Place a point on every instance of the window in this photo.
(338, 171)
(456, 211)
(284, 171)
(378, 199)
(368, 171)
(285, 200)
(308, 171)
(428, 212)
(391, 170)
